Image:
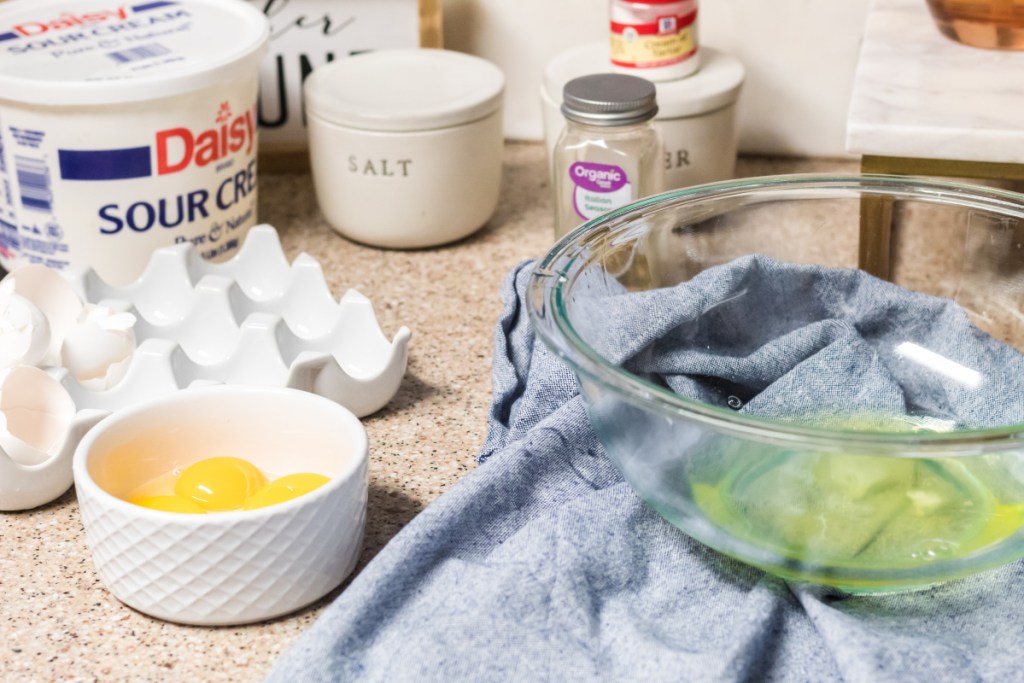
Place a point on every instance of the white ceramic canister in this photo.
(696, 115)
(406, 145)
(124, 128)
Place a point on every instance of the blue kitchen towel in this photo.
(543, 565)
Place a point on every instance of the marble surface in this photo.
(919, 94)
(58, 622)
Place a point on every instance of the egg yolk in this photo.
(221, 485)
(218, 484)
(285, 488)
(170, 504)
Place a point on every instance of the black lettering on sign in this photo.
(326, 24)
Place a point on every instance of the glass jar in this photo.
(609, 154)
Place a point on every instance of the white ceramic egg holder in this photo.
(256, 319)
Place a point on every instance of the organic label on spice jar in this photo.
(599, 188)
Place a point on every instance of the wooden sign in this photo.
(306, 34)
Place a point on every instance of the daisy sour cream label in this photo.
(124, 128)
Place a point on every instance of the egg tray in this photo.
(255, 319)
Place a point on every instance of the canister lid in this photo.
(715, 85)
(609, 100)
(404, 90)
(66, 52)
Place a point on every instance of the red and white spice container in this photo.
(406, 145)
(654, 39)
(125, 128)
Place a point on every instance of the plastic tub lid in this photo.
(405, 90)
(714, 85)
(66, 52)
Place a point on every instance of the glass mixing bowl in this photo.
(861, 503)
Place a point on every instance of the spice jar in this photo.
(656, 39)
(697, 115)
(609, 153)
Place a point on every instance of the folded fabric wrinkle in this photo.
(544, 565)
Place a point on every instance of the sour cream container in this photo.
(125, 127)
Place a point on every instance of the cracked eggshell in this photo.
(24, 331)
(36, 414)
(51, 294)
(98, 348)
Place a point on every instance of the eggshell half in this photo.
(36, 413)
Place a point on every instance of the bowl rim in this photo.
(85, 484)
(547, 295)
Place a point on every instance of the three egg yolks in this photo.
(223, 484)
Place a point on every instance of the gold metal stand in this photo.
(875, 252)
(431, 23)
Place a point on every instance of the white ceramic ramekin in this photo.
(406, 145)
(229, 567)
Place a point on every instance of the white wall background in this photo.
(800, 57)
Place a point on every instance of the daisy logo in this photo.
(179, 148)
(223, 113)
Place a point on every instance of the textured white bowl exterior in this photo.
(232, 567)
(229, 572)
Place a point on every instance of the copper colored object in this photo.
(993, 24)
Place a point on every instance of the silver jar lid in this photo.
(609, 100)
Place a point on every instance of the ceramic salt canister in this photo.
(406, 145)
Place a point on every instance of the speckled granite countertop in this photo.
(57, 622)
